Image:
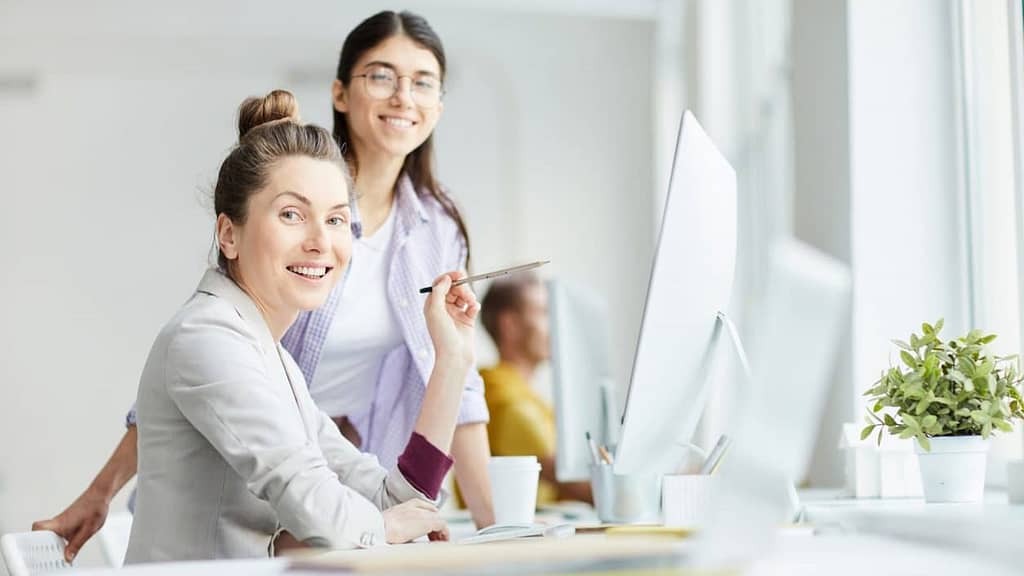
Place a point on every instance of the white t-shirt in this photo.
(363, 331)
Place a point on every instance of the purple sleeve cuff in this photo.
(423, 465)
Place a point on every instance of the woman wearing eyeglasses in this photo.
(366, 352)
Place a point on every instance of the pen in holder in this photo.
(622, 498)
(687, 499)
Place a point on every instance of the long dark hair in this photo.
(419, 164)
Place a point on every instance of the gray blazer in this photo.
(231, 446)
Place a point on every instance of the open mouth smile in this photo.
(310, 272)
(398, 123)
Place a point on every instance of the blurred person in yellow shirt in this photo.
(515, 314)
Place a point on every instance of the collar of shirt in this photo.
(410, 209)
(411, 212)
(216, 283)
(305, 338)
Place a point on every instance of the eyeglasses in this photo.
(383, 83)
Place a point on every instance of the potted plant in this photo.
(950, 396)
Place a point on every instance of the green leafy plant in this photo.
(952, 388)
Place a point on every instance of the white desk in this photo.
(855, 537)
(993, 528)
(834, 554)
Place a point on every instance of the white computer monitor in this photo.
(691, 281)
(581, 386)
(796, 328)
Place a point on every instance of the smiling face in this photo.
(296, 238)
(393, 126)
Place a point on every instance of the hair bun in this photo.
(277, 106)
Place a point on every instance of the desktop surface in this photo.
(848, 540)
(837, 554)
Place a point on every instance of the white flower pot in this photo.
(954, 469)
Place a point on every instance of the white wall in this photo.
(115, 117)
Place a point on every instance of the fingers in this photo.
(80, 537)
(50, 525)
(443, 531)
(461, 296)
(464, 291)
(439, 293)
(442, 284)
(435, 523)
(439, 535)
(465, 316)
(456, 302)
(431, 518)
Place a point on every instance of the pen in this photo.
(593, 450)
(605, 455)
(502, 272)
(711, 464)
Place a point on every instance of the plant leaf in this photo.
(903, 345)
(923, 441)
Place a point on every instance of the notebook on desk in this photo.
(498, 533)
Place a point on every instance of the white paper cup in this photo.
(514, 488)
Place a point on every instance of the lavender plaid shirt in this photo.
(427, 243)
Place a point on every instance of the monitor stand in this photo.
(795, 508)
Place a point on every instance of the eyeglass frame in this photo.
(440, 93)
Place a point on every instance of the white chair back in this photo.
(31, 553)
(114, 538)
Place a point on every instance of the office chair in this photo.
(31, 553)
(113, 538)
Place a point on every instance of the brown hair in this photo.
(268, 130)
(504, 295)
(419, 163)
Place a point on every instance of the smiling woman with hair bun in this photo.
(367, 353)
(232, 451)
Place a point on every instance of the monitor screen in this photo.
(581, 384)
(691, 281)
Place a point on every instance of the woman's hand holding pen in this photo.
(451, 313)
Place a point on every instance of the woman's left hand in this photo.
(451, 313)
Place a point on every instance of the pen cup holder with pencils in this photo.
(687, 499)
(622, 498)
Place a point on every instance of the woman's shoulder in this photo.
(433, 205)
(207, 326)
(442, 222)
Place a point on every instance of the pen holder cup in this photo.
(622, 498)
(687, 499)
